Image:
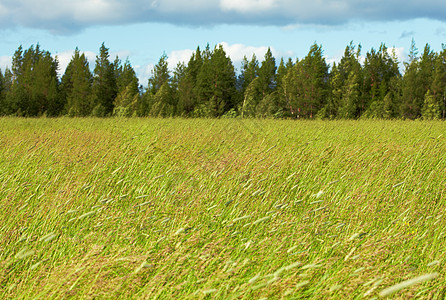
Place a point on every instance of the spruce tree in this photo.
(158, 99)
(76, 86)
(315, 81)
(215, 87)
(127, 100)
(105, 87)
(431, 108)
(438, 86)
(34, 88)
(2, 94)
(187, 98)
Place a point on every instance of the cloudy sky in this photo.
(143, 30)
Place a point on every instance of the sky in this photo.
(143, 30)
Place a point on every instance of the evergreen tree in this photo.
(438, 86)
(249, 71)
(178, 75)
(105, 87)
(417, 80)
(292, 90)
(162, 102)
(267, 74)
(331, 109)
(215, 87)
(158, 98)
(250, 100)
(34, 89)
(350, 97)
(2, 94)
(187, 98)
(315, 81)
(127, 100)
(431, 108)
(160, 75)
(76, 86)
(349, 83)
(381, 76)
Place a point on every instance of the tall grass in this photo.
(225, 209)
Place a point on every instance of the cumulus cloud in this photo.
(143, 72)
(64, 16)
(5, 62)
(247, 6)
(179, 56)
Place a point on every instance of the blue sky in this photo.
(143, 30)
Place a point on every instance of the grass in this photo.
(222, 209)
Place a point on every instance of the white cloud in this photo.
(246, 6)
(178, 56)
(143, 73)
(237, 51)
(66, 16)
(5, 62)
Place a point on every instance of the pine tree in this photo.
(293, 91)
(350, 97)
(431, 108)
(2, 94)
(76, 86)
(438, 86)
(160, 75)
(105, 87)
(347, 83)
(187, 99)
(331, 109)
(267, 74)
(381, 76)
(251, 98)
(417, 81)
(178, 75)
(215, 87)
(127, 100)
(34, 88)
(315, 81)
(158, 98)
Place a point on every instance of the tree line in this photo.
(370, 86)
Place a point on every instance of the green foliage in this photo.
(76, 86)
(215, 86)
(35, 87)
(105, 88)
(431, 108)
(208, 86)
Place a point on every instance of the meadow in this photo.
(222, 209)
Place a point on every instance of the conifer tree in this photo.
(315, 81)
(215, 87)
(438, 86)
(127, 100)
(251, 98)
(431, 108)
(158, 98)
(76, 86)
(267, 74)
(34, 88)
(105, 87)
(187, 98)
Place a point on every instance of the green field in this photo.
(222, 209)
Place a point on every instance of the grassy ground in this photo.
(223, 209)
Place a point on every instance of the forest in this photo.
(358, 86)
